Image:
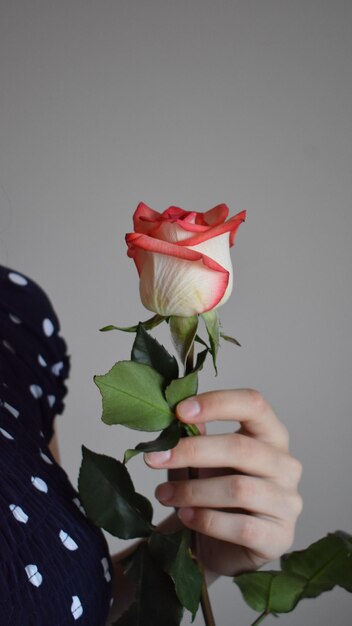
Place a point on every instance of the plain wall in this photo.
(105, 103)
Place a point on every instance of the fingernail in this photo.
(157, 458)
(186, 514)
(188, 409)
(165, 492)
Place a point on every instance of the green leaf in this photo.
(155, 599)
(174, 554)
(324, 564)
(211, 320)
(304, 574)
(109, 497)
(167, 439)
(148, 324)
(148, 350)
(133, 396)
(269, 591)
(230, 339)
(183, 331)
(181, 388)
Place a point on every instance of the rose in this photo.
(183, 258)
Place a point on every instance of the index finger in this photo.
(246, 406)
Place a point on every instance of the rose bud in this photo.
(183, 258)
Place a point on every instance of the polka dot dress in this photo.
(54, 564)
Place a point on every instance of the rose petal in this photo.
(175, 280)
(189, 288)
(230, 226)
(144, 218)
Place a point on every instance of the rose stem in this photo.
(193, 473)
(261, 617)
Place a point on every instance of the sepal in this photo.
(183, 331)
(148, 324)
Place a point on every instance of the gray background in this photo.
(106, 103)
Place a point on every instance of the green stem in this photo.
(193, 473)
(260, 618)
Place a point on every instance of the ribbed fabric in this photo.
(54, 564)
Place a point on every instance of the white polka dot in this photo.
(7, 345)
(111, 602)
(15, 319)
(36, 391)
(56, 368)
(34, 576)
(6, 434)
(39, 484)
(48, 327)
(42, 361)
(46, 458)
(51, 400)
(19, 514)
(105, 565)
(18, 279)
(76, 607)
(78, 505)
(67, 541)
(11, 409)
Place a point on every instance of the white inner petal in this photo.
(172, 286)
(172, 232)
(217, 249)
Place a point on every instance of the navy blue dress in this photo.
(54, 564)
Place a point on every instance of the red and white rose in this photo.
(183, 258)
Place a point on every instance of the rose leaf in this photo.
(109, 497)
(174, 555)
(304, 574)
(132, 395)
(148, 350)
(155, 601)
(167, 439)
(181, 388)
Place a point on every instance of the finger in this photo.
(236, 451)
(266, 538)
(246, 406)
(233, 492)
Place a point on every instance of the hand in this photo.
(245, 503)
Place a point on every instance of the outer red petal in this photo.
(144, 218)
(174, 213)
(217, 215)
(230, 226)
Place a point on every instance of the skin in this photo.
(247, 512)
(245, 503)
